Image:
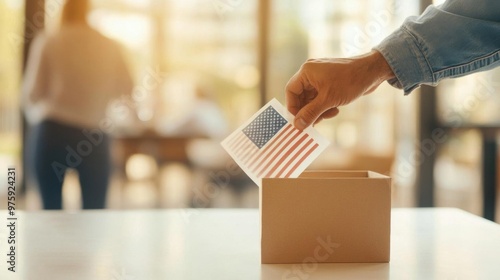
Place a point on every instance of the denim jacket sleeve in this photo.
(454, 39)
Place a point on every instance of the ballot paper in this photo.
(269, 146)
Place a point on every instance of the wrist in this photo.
(375, 70)
(379, 66)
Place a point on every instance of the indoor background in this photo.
(202, 67)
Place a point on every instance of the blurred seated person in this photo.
(204, 118)
(70, 78)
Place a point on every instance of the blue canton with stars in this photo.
(264, 127)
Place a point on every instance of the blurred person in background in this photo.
(70, 78)
(203, 119)
(451, 40)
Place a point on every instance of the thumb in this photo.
(308, 114)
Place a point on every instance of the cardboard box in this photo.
(326, 216)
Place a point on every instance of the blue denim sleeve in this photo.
(452, 40)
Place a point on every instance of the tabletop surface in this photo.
(440, 243)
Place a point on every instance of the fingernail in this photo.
(300, 124)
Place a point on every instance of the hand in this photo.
(322, 85)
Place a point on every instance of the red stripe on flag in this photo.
(236, 139)
(268, 146)
(258, 156)
(301, 160)
(286, 155)
(249, 151)
(238, 151)
(247, 145)
(240, 142)
(294, 157)
(297, 133)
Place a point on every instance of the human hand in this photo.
(322, 85)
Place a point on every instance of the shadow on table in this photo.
(312, 271)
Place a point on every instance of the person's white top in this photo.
(72, 75)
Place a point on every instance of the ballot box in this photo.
(325, 217)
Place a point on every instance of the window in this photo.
(11, 52)
(209, 45)
(374, 131)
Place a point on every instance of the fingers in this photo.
(293, 89)
(303, 102)
(308, 114)
(328, 114)
(298, 91)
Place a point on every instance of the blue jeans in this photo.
(55, 147)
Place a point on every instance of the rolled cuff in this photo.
(407, 61)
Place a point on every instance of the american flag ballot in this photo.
(268, 145)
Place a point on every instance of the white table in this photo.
(224, 244)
